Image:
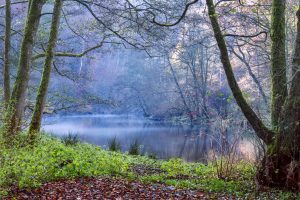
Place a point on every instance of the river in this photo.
(164, 140)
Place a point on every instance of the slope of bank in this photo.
(53, 168)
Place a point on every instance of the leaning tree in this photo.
(280, 166)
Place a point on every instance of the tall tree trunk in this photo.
(6, 71)
(278, 61)
(35, 124)
(290, 115)
(281, 165)
(261, 130)
(17, 102)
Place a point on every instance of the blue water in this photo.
(162, 139)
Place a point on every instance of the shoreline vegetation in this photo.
(54, 161)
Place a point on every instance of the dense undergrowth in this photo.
(52, 159)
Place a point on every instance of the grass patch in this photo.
(135, 148)
(70, 139)
(114, 144)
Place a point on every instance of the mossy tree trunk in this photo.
(278, 61)
(16, 105)
(43, 88)
(6, 70)
(281, 164)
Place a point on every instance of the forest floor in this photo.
(106, 188)
(56, 169)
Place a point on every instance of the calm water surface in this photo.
(162, 139)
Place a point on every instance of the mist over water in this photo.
(162, 139)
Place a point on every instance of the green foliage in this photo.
(52, 160)
(114, 145)
(205, 171)
(196, 175)
(218, 185)
(244, 171)
(17, 141)
(175, 167)
(186, 184)
(71, 139)
(152, 178)
(229, 169)
(134, 148)
(286, 195)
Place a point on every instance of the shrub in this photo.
(227, 169)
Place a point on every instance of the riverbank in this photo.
(51, 163)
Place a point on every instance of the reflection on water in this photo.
(162, 139)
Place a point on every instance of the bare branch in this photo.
(62, 74)
(85, 4)
(178, 20)
(249, 36)
(19, 2)
(65, 54)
